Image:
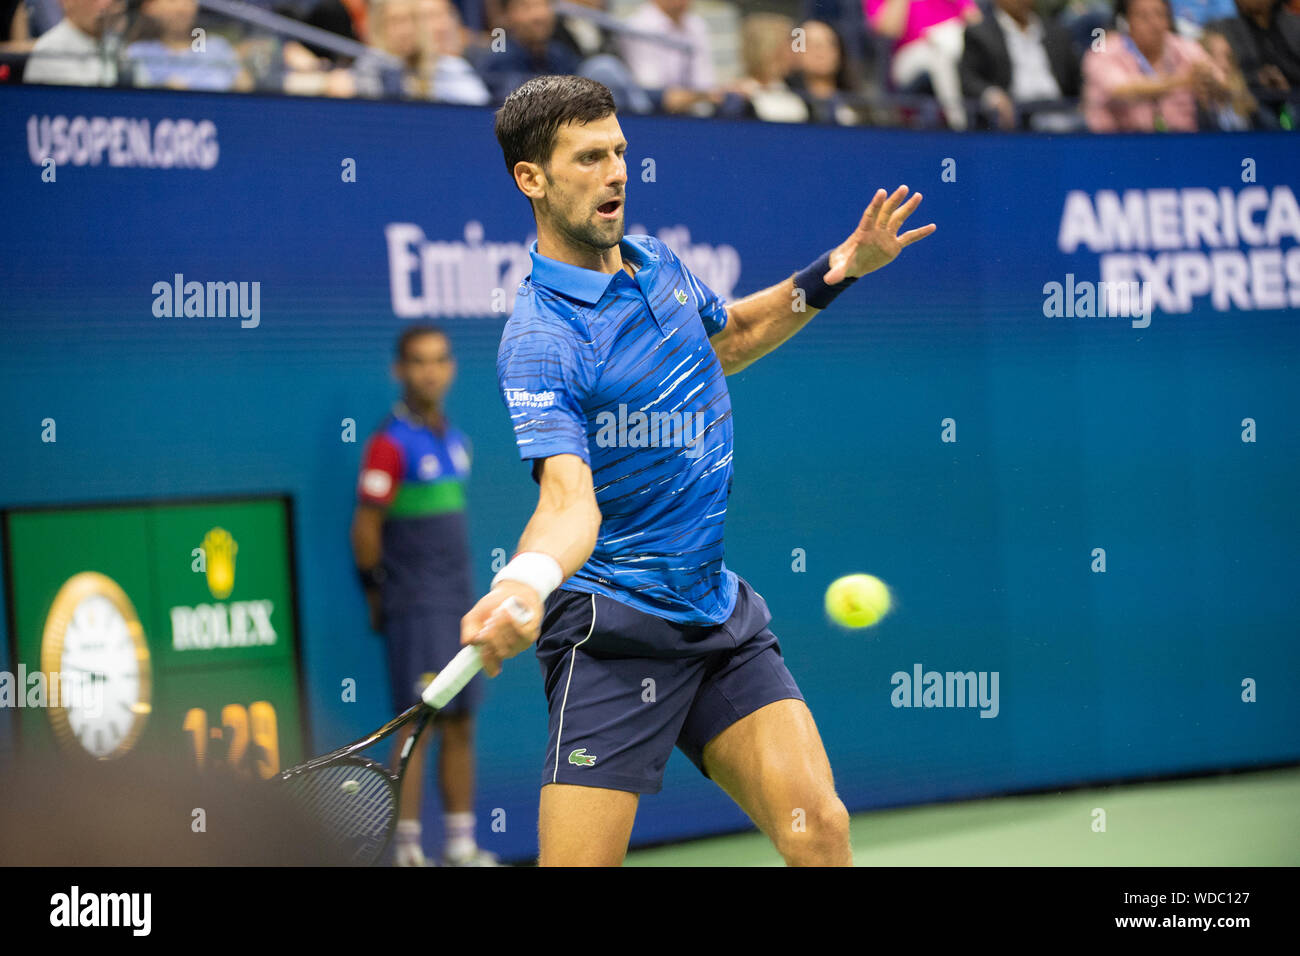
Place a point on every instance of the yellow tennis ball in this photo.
(857, 600)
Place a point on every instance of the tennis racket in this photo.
(355, 799)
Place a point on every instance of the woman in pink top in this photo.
(1148, 78)
(928, 37)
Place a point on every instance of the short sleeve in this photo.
(712, 307)
(542, 375)
(381, 472)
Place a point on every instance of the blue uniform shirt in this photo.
(619, 371)
(418, 477)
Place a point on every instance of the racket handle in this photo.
(453, 678)
(467, 662)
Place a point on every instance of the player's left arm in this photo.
(759, 323)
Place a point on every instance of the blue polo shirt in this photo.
(619, 371)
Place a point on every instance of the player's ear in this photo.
(531, 179)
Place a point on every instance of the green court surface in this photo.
(1249, 819)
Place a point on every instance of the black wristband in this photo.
(816, 292)
(372, 577)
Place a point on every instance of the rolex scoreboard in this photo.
(160, 629)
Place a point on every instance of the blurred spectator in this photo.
(165, 53)
(530, 49)
(454, 79)
(359, 14)
(766, 49)
(1191, 16)
(426, 37)
(533, 49)
(82, 49)
(15, 32)
(1148, 78)
(311, 70)
(1266, 41)
(928, 36)
(682, 79)
(333, 17)
(824, 77)
(1084, 20)
(1235, 109)
(1013, 57)
(395, 29)
(584, 37)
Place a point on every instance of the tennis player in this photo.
(612, 367)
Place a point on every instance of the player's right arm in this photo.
(563, 527)
(545, 370)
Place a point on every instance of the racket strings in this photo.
(356, 804)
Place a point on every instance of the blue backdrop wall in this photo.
(1072, 432)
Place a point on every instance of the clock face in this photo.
(95, 645)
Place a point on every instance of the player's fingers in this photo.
(488, 640)
(912, 235)
(474, 622)
(900, 215)
(890, 204)
(872, 212)
(470, 625)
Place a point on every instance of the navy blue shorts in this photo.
(624, 687)
(420, 643)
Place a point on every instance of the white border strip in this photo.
(559, 736)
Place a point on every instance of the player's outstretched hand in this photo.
(499, 633)
(876, 241)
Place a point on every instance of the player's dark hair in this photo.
(413, 332)
(529, 121)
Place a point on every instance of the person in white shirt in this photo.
(768, 56)
(81, 49)
(1013, 58)
(685, 78)
(454, 79)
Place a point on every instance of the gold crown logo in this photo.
(219, 550)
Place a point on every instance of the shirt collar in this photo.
(403, 412)
(1009, 23)
(584, 285)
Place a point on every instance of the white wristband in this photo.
(539, 571)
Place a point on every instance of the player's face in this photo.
(428, 369)
(587, 182)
